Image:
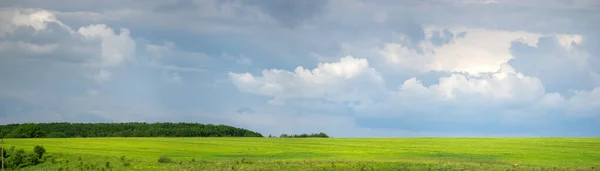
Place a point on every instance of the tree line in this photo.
(316, 135)
(131, 129)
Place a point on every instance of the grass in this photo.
(317, 153)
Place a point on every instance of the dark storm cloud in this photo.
(550, 62)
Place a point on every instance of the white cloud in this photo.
(552, 101)
(504, 84)
(460, 94)
(349, 79)
(480, 51)
(352, 80)
(574, 54)
(505, 91)
(116, 48)
(113, 48)
(12, 19)
(37, 19)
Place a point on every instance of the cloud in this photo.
(334, 81)
(169, 57)
(14, 19)
(243, 61)
(555, 59)
(50, 38)
(505, 98)
(475, 51)
(175, 77)
(179, 5)
(290, 13)
(28, 47)
(116, 48)
(442, 37)
(438, 68)
(506, 83)
(349, 79)
(584, 103)
(102, 76)
(459, 94)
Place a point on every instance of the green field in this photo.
(316, 153)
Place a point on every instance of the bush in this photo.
(9, 151)
(31, 159)
(39, 150)
(164, 159)
(16, 159)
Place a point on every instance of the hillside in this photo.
(133, 129)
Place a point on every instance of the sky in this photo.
(349, 68)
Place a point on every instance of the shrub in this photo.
(31, 159)
(164, 159)
(39, 150)
(16, 159)
(9, 151)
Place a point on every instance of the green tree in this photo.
(39, 151)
